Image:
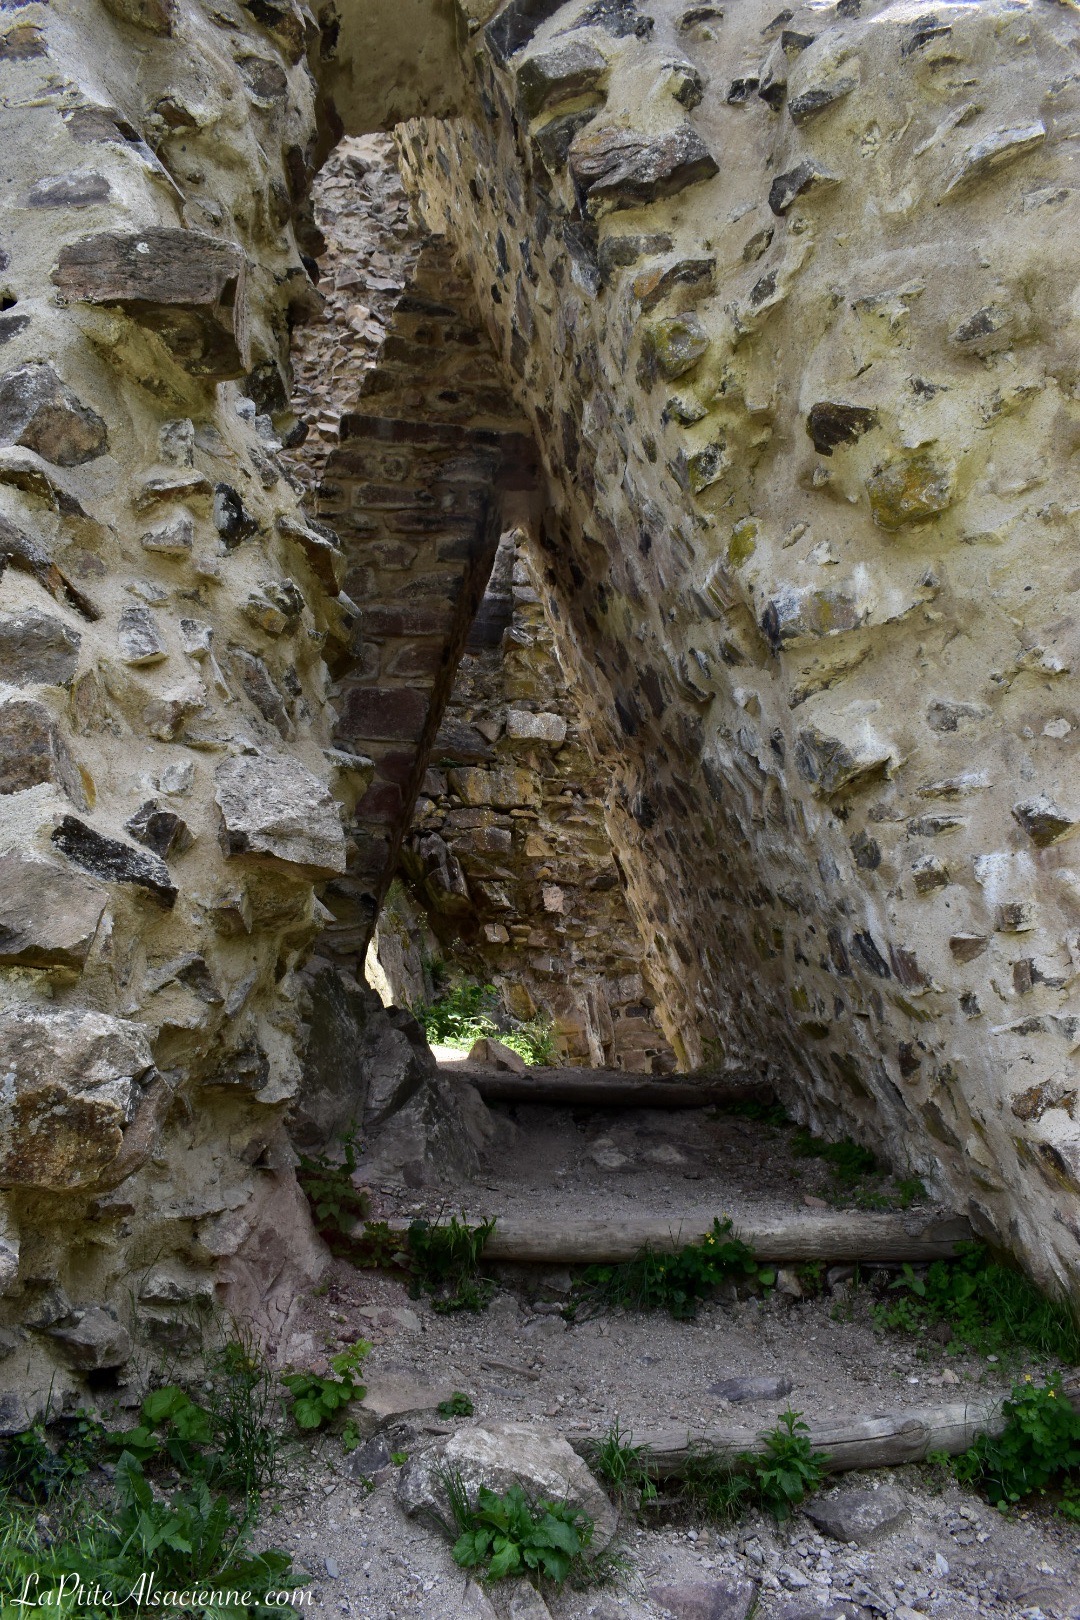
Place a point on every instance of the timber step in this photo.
(873, 1440)
(840, 1237)
(608, 1088)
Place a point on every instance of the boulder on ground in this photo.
(863, 1516)
(494, 1055)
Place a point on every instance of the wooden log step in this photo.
(876, 1440)
(842, 1237)
(608, 1088)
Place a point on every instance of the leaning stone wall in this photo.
(789, 301)
(169, 801)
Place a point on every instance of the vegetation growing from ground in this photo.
(983, 1306)
(506, 1535)
(470, 1012)
(856, 1175)
(624, 1468)
(1038, 1450)
(317, 1400)
(336, 1204)
(677, 1283)
(182, 1503)
(459, 1405)
(441, 1259)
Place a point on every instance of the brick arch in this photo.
(432, 466)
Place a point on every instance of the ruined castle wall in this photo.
(789, 301)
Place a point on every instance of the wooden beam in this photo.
(608, 1088)
(836, 1237)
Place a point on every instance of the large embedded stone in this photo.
(623, 168)
(499, 1455)
(114, 861)
(277, 807)
(552, 76)
(139, 639)
(71, 1081)
(32, 750)
(37, 649)
(1043, 820)
(48, 915)
(93, 1340)
(806, 176)
(674, 345)
(728, 1598)
(79, 188)
(183, 285)
(858, 1515)
(830, 423)
(321, 548)
(909, 489)
(505, 789)
(41, 413)
(993, 152)
(831, 765)
(156, 16)
(524, 726)
(803, 613)
(160, 829)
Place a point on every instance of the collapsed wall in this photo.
(788, 299)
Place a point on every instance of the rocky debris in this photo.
(499, 1455)
(185, 286)
(160, 829)
(33, 750)
(172, 539)
(36, 648)
(48, 916)
(616, 168)
(862, 1516)
(275, 806)
(707, 1600)
(92, 1340)
(41, 413)
(1043, 821)
(74, 1079)
(114, 861)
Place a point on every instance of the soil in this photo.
(952, 1557)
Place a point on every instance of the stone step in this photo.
(609, 1088)
(836, 1237)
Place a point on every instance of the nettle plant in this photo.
(317, 1400)
(511, 1534)
(677, 1283)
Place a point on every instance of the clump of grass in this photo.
(987, 1307)
(445, 1263)
(623, 1467)
(677, 1283)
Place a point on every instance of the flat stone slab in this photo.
(861, 1516)
(728, 1599)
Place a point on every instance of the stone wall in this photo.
(788, 299)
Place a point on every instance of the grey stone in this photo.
(140, 641)
(727, 1598)
(1043, 820)
(232, 520)
(522, 725)
(172, 539)
(78, 189)
(858, 1515)
(276, 807)
(113, 860)
(614, 167)
(499, 1455)
(806, 176)
(555, 75)
(48, 914)
(738, 1390)
(368, 1459)
(156, 16)
(33, 750)
(93, 1341)
(527, 1604)
(73, 1079)
(41, 413)
(37, 648)
(160, 829)
(256, 680)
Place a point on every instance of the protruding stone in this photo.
(72, 1081)
(614, 167)
(858, 1515)
(994, 152)
(276, 807)
(139, 639)
(803, 613)
(555, 75)
(37, 648)
(232, 520)
(48, 915)
(93, 1340)
(156, 16)
(830, 423)
(159, 829)
(113, 861)
(276, 607)
(172, 539)
(77, 189)
(524, 726)
(185, 286)
(910, 489)
(33, 750)
(673, 346)
(831, 766)
(320, 546)
(41, 413)
(806, 176)
(1043, 820)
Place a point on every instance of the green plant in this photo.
(399, 1458)
(623, 1466)
(36, 1471)
(459, 1405)
(909, 1190)
(1039, 1446)
(511, 1535)
(776, 1479)
(811, 1278)
(673, 1282)
(336, 1204)
(445, 1264)
(761, 1113)
(315, 1399)
(848, 1160)
(986, 1306)
(470, 1012)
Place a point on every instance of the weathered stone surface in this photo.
(93, 1340)
(862, 1516)
(675, 345)
(138, 637)
(276, 807)
(48, 916)
(78, 189)
(74, 1079)
(555, 75)
(41, 413)
(114, 861)
(623, 168)
(729, 1598)
(909, 489)
(737, 1390)
(156, 16)
(499, 1455)
(524, 726)
(185, 286)
(1043, 820)
(172, 539)
(160, 829)
(37, 649)
(33, 750)
(806, 176)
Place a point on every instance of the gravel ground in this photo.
(950, 1556)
